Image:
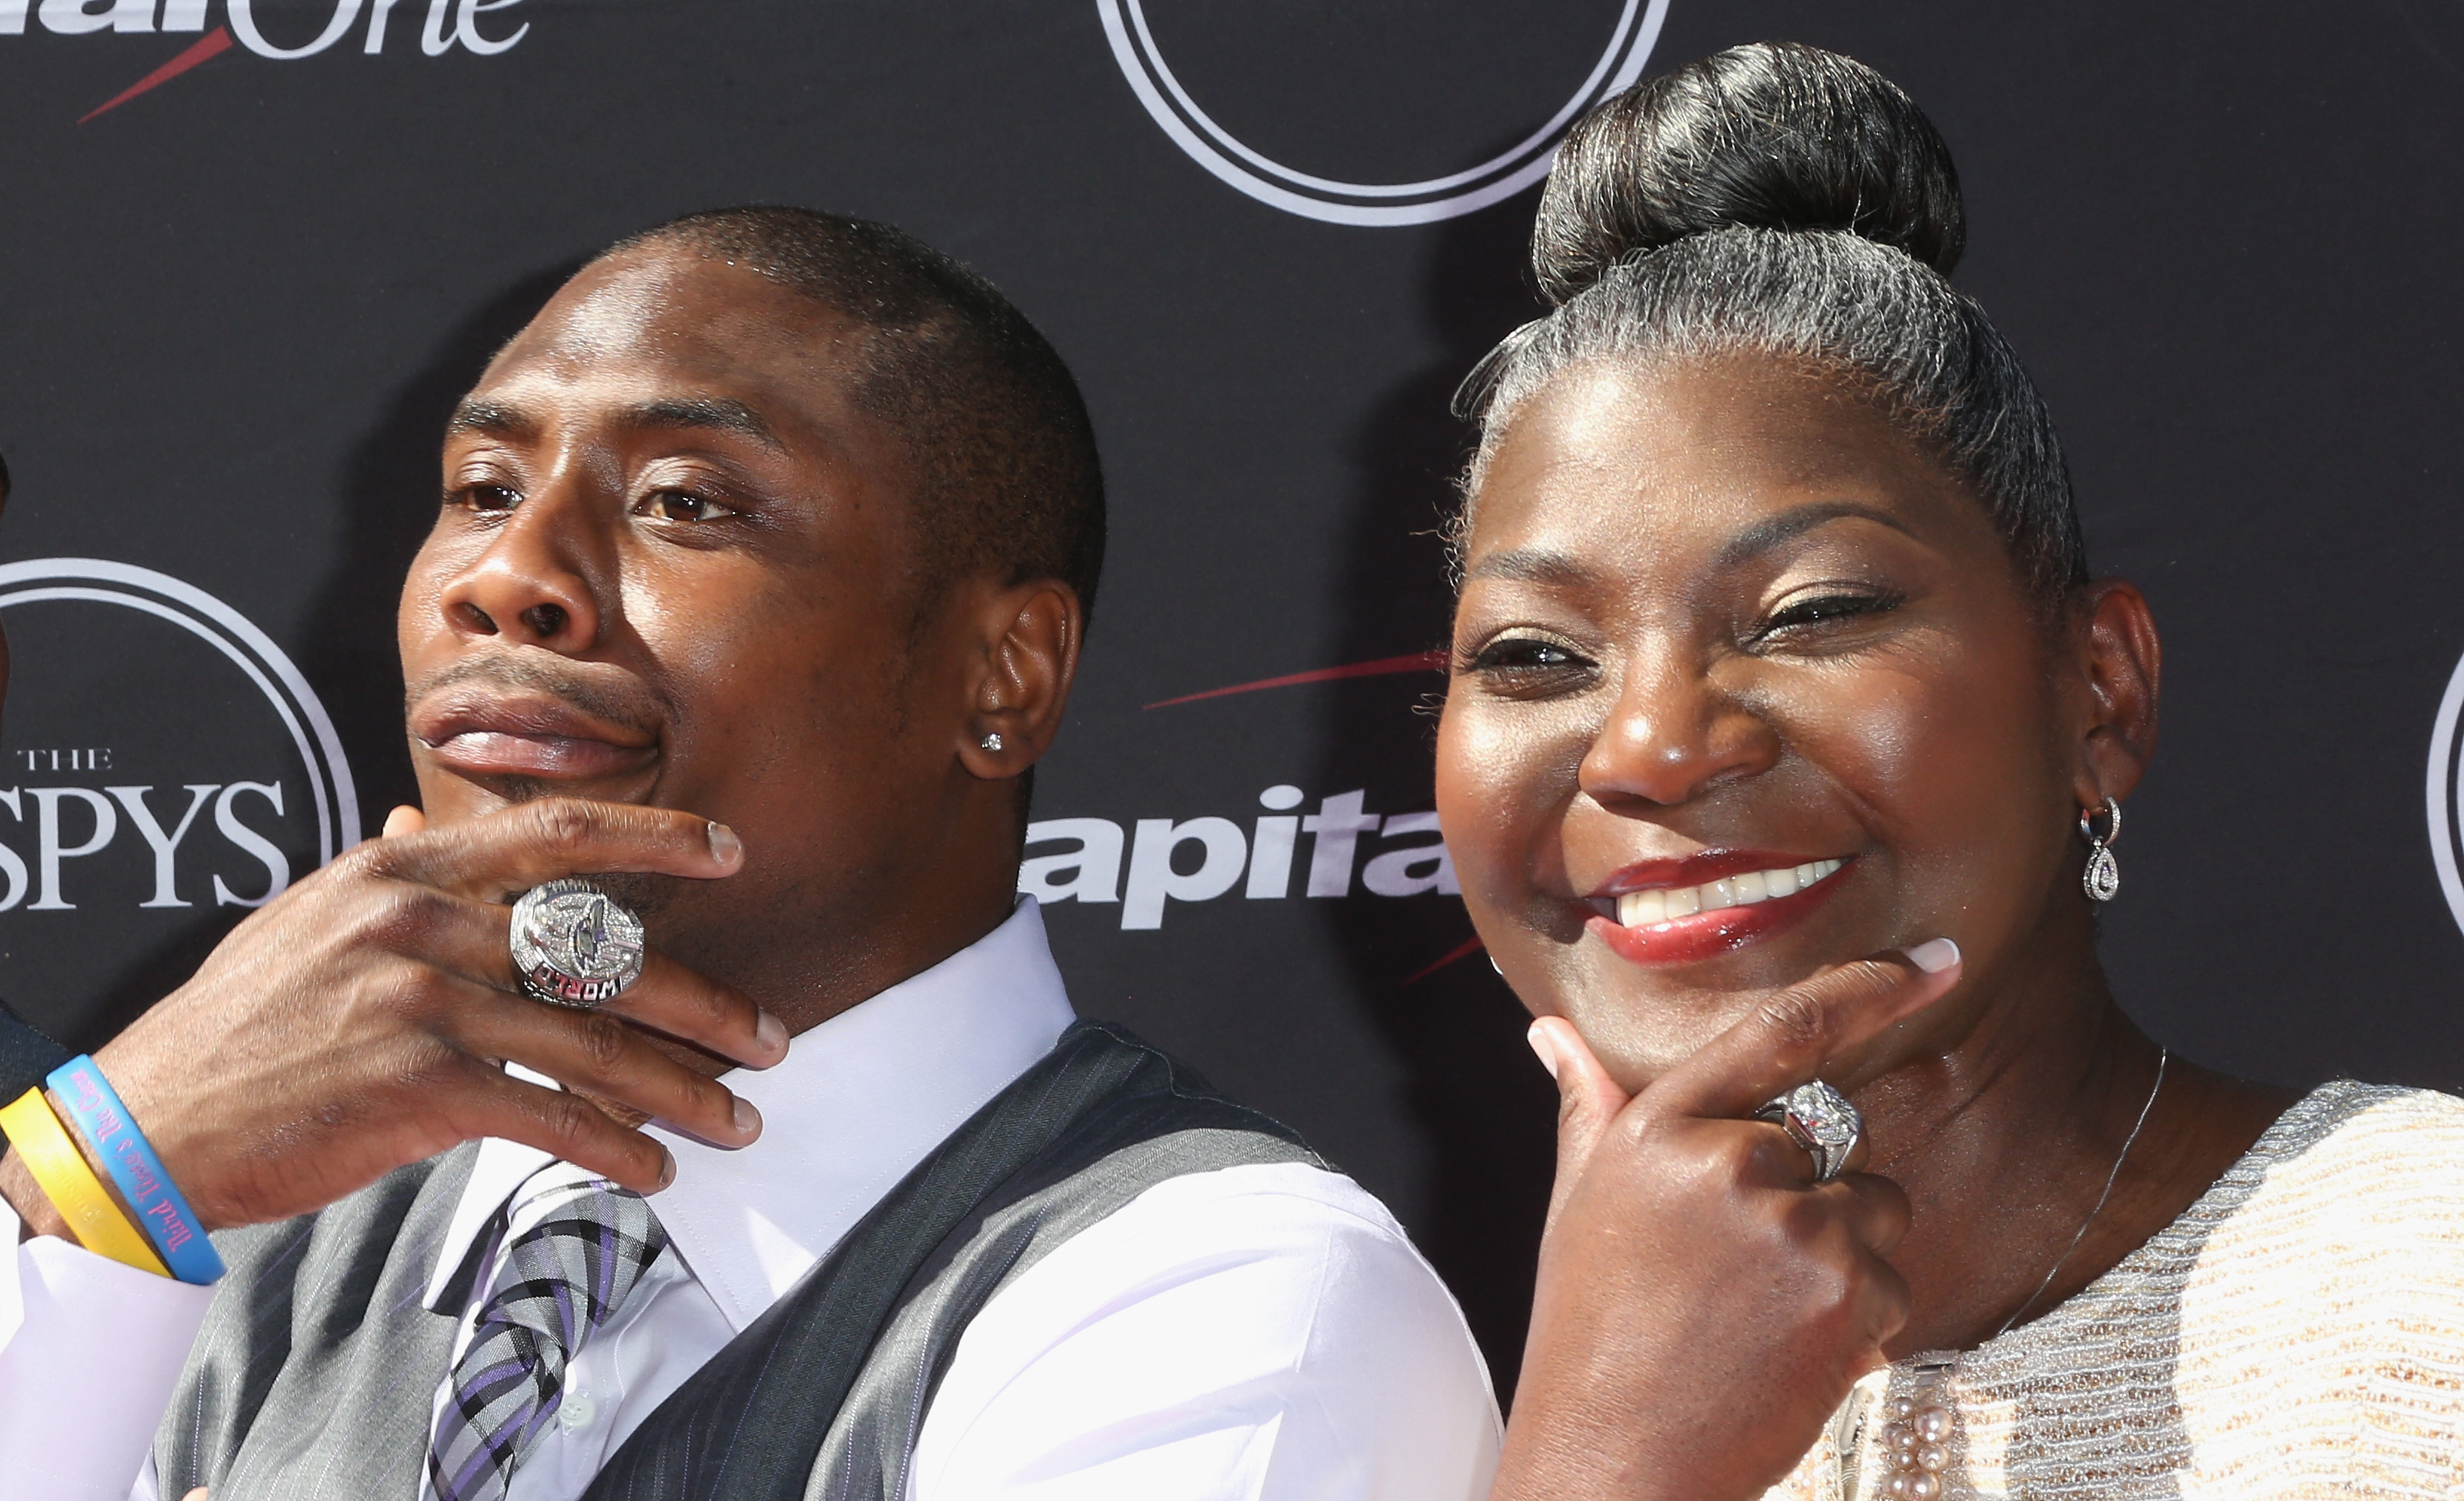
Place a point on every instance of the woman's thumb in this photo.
(1588, 1099)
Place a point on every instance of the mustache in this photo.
(603, 692)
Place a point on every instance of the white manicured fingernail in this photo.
(1933, 955)
(724, 846)
(1546, 1050)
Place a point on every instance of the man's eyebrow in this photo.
(717, 413)
(1771, 531)
(488, 420)
(1530, 565)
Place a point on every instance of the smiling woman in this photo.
(1786, 738)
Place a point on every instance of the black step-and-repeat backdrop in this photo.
(251, 250)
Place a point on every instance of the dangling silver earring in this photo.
(992, 741)
(2102, 876)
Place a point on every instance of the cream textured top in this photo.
(2298, 1332)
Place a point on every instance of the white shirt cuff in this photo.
(89, 1353)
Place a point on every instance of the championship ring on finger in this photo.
(1819, 1118)
(574, 945)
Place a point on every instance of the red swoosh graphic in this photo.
(1417, 662)
(212, 45)
(1467, 949)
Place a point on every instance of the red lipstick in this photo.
(1713, 903)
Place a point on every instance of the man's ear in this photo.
(2123, 662)
(1028, 637)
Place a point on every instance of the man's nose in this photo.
(534, 585)
(1674, 735)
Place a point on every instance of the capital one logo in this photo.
(285, 31)
(1368, 203)
(1409, 859)
(1149, 864)
(165, 767)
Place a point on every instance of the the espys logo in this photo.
(163, 752)
(1367, 203)
(2445, 795)
(285, 32)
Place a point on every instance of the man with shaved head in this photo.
(763, 562)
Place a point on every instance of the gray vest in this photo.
(314, 1376)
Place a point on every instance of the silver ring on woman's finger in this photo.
(1819, 1118)
(574, 945)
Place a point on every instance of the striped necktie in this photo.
(568, 1274)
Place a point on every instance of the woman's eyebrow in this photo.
(1771, 531)
(1530, 565)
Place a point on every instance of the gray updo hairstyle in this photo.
(1783, 200)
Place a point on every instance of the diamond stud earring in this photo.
(992, 741)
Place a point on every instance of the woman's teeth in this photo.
(1642, 909)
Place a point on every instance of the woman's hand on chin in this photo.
(1703, 1306)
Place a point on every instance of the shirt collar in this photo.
(858, 1102)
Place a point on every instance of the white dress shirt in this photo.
(1250, 1333)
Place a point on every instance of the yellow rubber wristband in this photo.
(59, 1170)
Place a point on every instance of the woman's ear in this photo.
(1029, 635)
(2123, 662)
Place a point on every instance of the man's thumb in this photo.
(1588, 1099)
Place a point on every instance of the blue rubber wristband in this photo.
(95, 1107)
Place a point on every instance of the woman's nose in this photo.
(1673, 736)
(533, 586)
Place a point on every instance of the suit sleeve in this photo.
(1257, 1333)
(90, 1351)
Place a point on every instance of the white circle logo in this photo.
(311, 731)
(1367, 203)
(2445, 795)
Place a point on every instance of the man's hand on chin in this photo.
(361, 1021)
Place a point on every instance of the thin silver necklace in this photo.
(2110, 1179)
